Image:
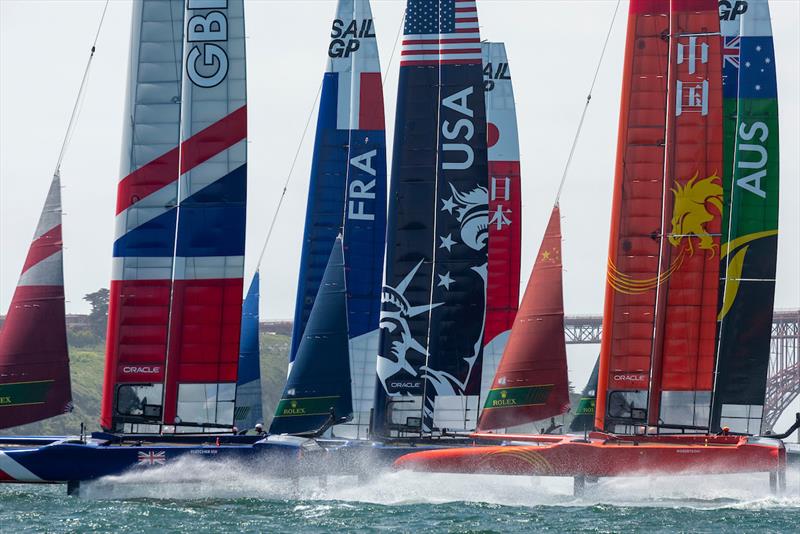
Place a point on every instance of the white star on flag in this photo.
(445, 280)
(448, 205)
(447, 242)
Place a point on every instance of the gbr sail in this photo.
(175, 304)
(659, 324)
(531, 382)
(505, 208)
(433, 304)
(34, 361)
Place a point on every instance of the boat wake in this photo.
(193, 479)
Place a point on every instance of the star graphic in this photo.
(758, 48)
(767, 60)
(447, 242)
(448, 205)
(546, 255)
(445, 280)
(746, 63)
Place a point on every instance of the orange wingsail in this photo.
(531, 381)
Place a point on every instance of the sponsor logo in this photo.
(207, 61)
(492, 73)
(5, 400)
(204, 451)
(729, 10)
(629, 378)
(345, 40)
(688, 451)
(141, 369)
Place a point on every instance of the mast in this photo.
(433, 311)
(531, 383)
(505, 208)
(347, 196)
(750, 220)
(146, 213)
(34, 360)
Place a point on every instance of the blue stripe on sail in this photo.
(320, 376)
(212, 221)
(757, 68)
(153, 239)
(249, 369)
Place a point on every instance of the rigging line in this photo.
(586, 105)
(394, 48)
(77, 107)
(288, 178)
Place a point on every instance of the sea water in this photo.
(197, 497)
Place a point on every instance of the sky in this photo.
(553, 49)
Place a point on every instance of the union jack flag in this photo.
(441, 32)
(730, 50)
(152, 458)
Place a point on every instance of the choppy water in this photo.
(229, 500)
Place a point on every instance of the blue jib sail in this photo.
(318, 387)
(248, 385)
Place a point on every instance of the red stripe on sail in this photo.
(370, 109)
(212, 140)
(147, 179)
(43, 247)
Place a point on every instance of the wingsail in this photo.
(175, 303)
(34, 361)
(347, 195)
(505, 209)
(433, 305)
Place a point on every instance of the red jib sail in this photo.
(531, 381)
(34, 362)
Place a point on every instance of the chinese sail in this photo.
(433, 304)
(318, 387)
(750, 217)
(531, 382)
(347, 195)
(34, 362)
(505, 208)
(176, 292)
(659, 326)
(249, 410)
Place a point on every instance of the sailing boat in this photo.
(663, 297)
(34, 361)
(347, 198)
(249, 410)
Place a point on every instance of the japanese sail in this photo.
(433, 311)
(659, 324)
(34, 362)
(249, 409)
(347, 195)
(318, 390)
(750, 217)
(176, 291)
(531, 382)
(505, 208)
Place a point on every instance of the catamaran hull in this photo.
(62, 462)
(605, 456)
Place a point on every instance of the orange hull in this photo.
(604, 455)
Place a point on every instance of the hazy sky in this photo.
(553, 49)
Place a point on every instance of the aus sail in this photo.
(433, 305)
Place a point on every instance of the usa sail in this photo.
(531, 382)
(433, 305)
(750, 218)
(347, 195)
(659, 325)
(34, 361)
(249, 410)
(175, 309)
(505, 208)
(318, 389)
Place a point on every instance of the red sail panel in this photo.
(633, 266)
(34, 361)
(531, 382)
(685, 334)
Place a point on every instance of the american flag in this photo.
(441, 32)
(152, 458)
